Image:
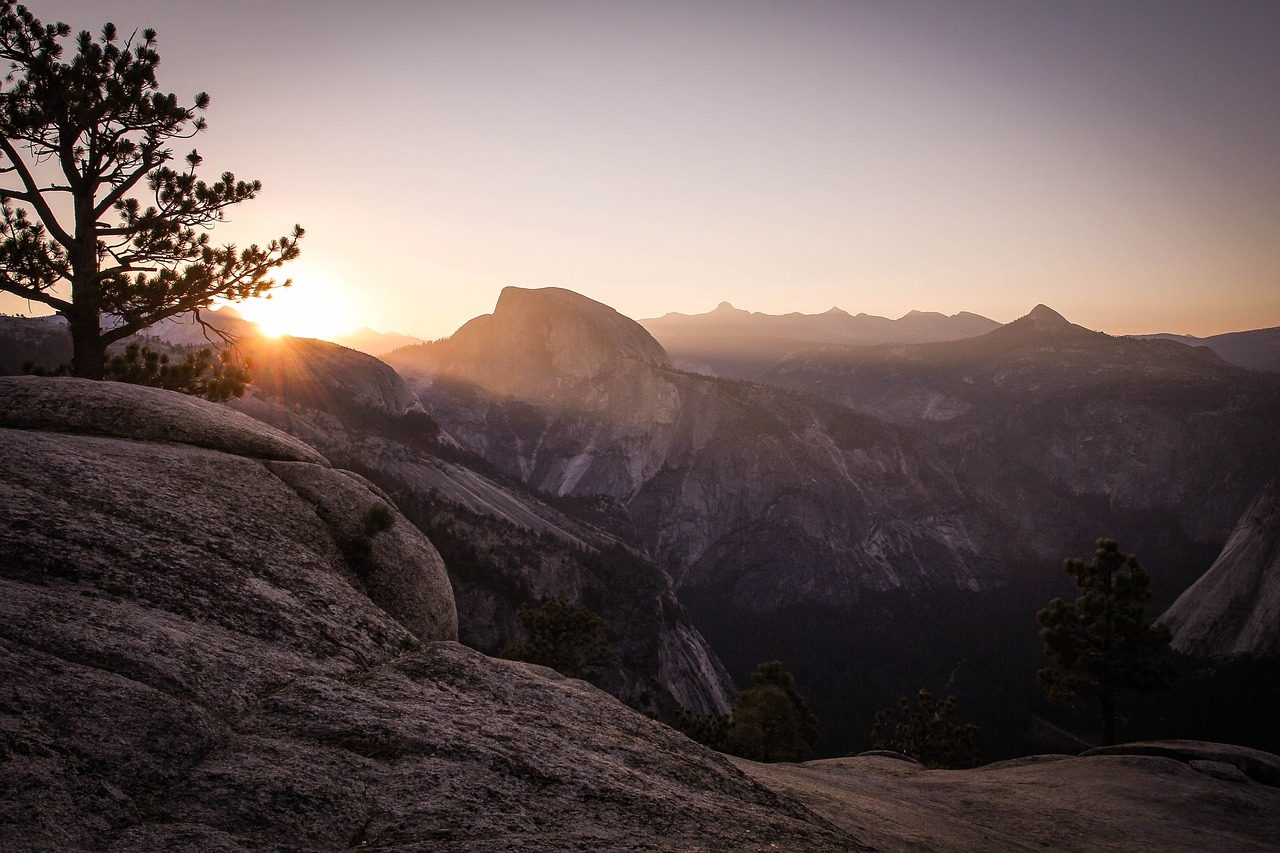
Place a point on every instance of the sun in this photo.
(314, 307)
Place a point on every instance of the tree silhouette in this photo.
(770, 720)
(926, 732)
(94, 220)
(560, 636)
(1102, 644)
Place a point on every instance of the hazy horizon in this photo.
(1113, 161)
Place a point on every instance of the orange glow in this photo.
(314, 307)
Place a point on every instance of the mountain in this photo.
(366, 340)
(184, 331)
(766, 497)
(732, 343)
(1234, 610)
(46, 342)
(932, 495)
(42, 340)
(1257, 350)
(1089, 429)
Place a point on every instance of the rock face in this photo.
(203, 650)
(1176, 796)
(260, 496)
(552, 342)
(766, 497)
(1234, 609)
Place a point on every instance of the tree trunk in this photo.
(88, 352)
(1108, 719)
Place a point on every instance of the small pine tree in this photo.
(926, 733)
(562, 637)
(1102, 645)
(771, 721)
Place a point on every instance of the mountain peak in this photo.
(541, 342)
(725, 309)
(1045, 316)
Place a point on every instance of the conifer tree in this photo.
(560, 636)
(771, 721)
(926, 732)
(95, 221)
(1102, 645)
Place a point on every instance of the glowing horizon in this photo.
(1113, 161)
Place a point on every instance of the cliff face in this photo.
(547, 344)
(1234, 609)
(769, 497)
(204, 647)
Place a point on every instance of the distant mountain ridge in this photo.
(733, 343)
(375, 343)
(1258, 349)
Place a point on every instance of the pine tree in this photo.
(1102, 645)
(95, 222)
(926, 732)
(562, 637)
(771, 721)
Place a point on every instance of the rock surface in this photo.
(190, 661)
(1234, 609)
(1128, 800)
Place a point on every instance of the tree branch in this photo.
(37, 200)
(10, 286)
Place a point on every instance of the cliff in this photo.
(1234, 609)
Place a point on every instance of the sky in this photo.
(1118, 161)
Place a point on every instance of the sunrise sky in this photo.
(1119, 161)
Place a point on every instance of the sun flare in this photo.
(314, 307)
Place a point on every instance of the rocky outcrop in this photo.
(1175, 796)
(198, 653)
(326, 377)
(553, 342)
(1234, 609)
(125, 497)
